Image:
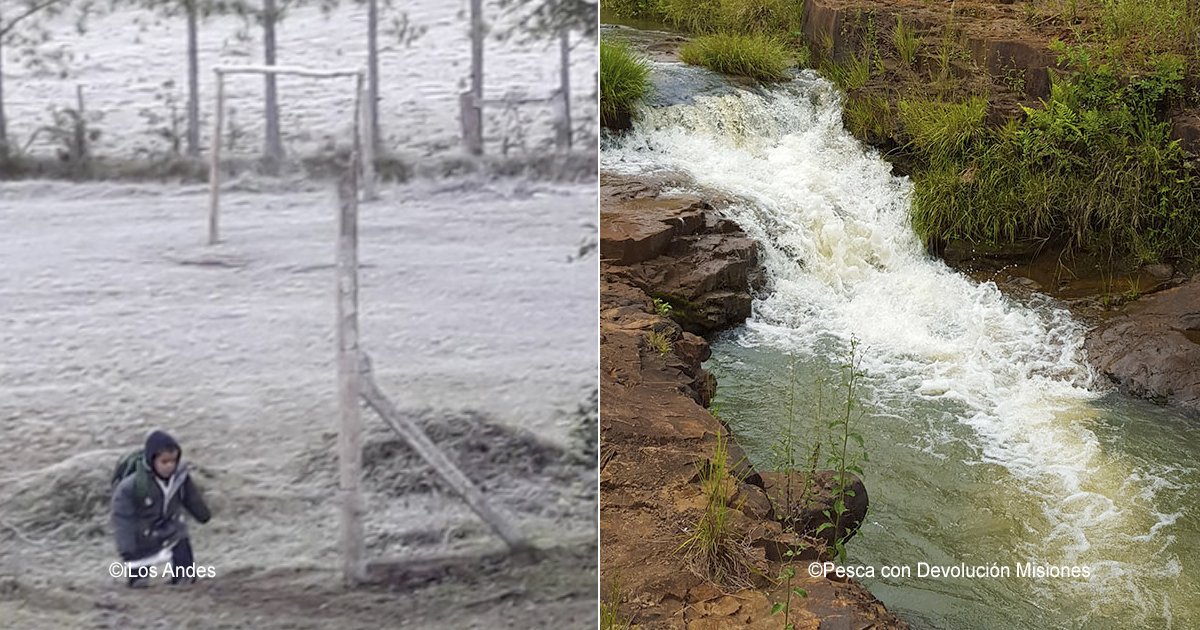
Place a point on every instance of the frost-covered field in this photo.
(124, 59)
(116, 318)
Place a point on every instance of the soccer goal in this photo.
(362, 159)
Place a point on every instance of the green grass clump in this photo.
(761, 16)
(759, 57)
(624, 82)
(906, 42)
(869, 116)
(850, 74)
(714, 549)
(693, 16)
(659, 342)
(943, 131)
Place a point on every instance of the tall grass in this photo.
(759, 57)
(869, 116)
(850, 74)
(633, 8)
(610, 604)
(714, 550)
(624, 82)
(906, 42)
(1139, 29)
(942, 131)
(779, 17)
(693, 16)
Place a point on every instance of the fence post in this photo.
(214, 163)
(350, 418)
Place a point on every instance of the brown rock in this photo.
(1152, 350)
(753, 502)
(804, 508)
(637, 230)
(692, 349)
(1185, 127)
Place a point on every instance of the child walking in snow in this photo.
(150, 490)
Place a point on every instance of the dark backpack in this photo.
(129, 465)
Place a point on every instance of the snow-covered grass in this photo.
(125, 59)
(117, 318)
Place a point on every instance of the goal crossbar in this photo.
(304, 72)
(364, 149)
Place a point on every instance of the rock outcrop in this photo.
(656, 433)
(1152, 349)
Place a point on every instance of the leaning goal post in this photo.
(362, 158)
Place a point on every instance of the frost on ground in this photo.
(419, 82)
(480, 320)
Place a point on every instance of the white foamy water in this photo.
(843, 261)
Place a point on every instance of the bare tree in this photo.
(17, 21)
(549, 18)
(404, 33)
(274, 147)
(373, 73)
(194, 11)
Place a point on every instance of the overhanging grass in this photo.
(780, 17)
(759, 57)
(624, 82)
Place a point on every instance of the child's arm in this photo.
(124, 519)
(193, 500)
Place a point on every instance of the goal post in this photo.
(364, 150)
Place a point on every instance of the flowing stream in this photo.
(990, 440)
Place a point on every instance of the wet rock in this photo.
(1152, 350)
(802, 505)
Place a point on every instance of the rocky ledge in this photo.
(656, 433)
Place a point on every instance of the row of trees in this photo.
(27, 22)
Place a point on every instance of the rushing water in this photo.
(990, 440)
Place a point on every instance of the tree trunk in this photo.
(373, 71)
(193, 110)
(3, 120)
(475, 142)
(274, 147)
(564, 78)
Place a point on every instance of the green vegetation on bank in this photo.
(751, 38)
(760, 57)
(1093, 166)
(624, 82)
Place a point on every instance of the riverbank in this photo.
(656, 430)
